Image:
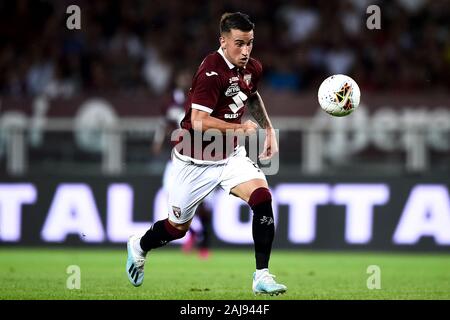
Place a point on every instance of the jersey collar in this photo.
(229, 64)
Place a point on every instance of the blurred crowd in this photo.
(138, 46)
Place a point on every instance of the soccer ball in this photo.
(339, 95)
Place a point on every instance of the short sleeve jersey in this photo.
(222, 90)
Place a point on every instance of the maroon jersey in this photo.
(222, 90)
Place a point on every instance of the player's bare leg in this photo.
(256, 193)
(245, 190)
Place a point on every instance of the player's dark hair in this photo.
(236, 20)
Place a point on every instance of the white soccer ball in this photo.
(339, 95)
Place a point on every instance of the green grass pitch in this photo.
(226, 275)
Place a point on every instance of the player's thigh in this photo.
(242, 176)
(190, 185)
(245, 189)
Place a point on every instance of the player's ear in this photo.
(222, 42)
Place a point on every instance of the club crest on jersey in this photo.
(248, 78)
(176, 211)
(232, 89)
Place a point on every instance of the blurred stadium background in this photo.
(79, 110)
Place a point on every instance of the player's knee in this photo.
(177, 231)
(260, 196)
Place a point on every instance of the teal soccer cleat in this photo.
(135, 263)
(265, 284)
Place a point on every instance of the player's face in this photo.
(237, 46)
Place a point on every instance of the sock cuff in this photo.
(259, 196)
(174, 232)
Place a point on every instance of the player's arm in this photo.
(257, 109)
(202, 121)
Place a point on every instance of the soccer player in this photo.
(225, 83)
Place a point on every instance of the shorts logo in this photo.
(248, 78)
(176, 211)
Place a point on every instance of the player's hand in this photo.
(249, 127)
(270, 145)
